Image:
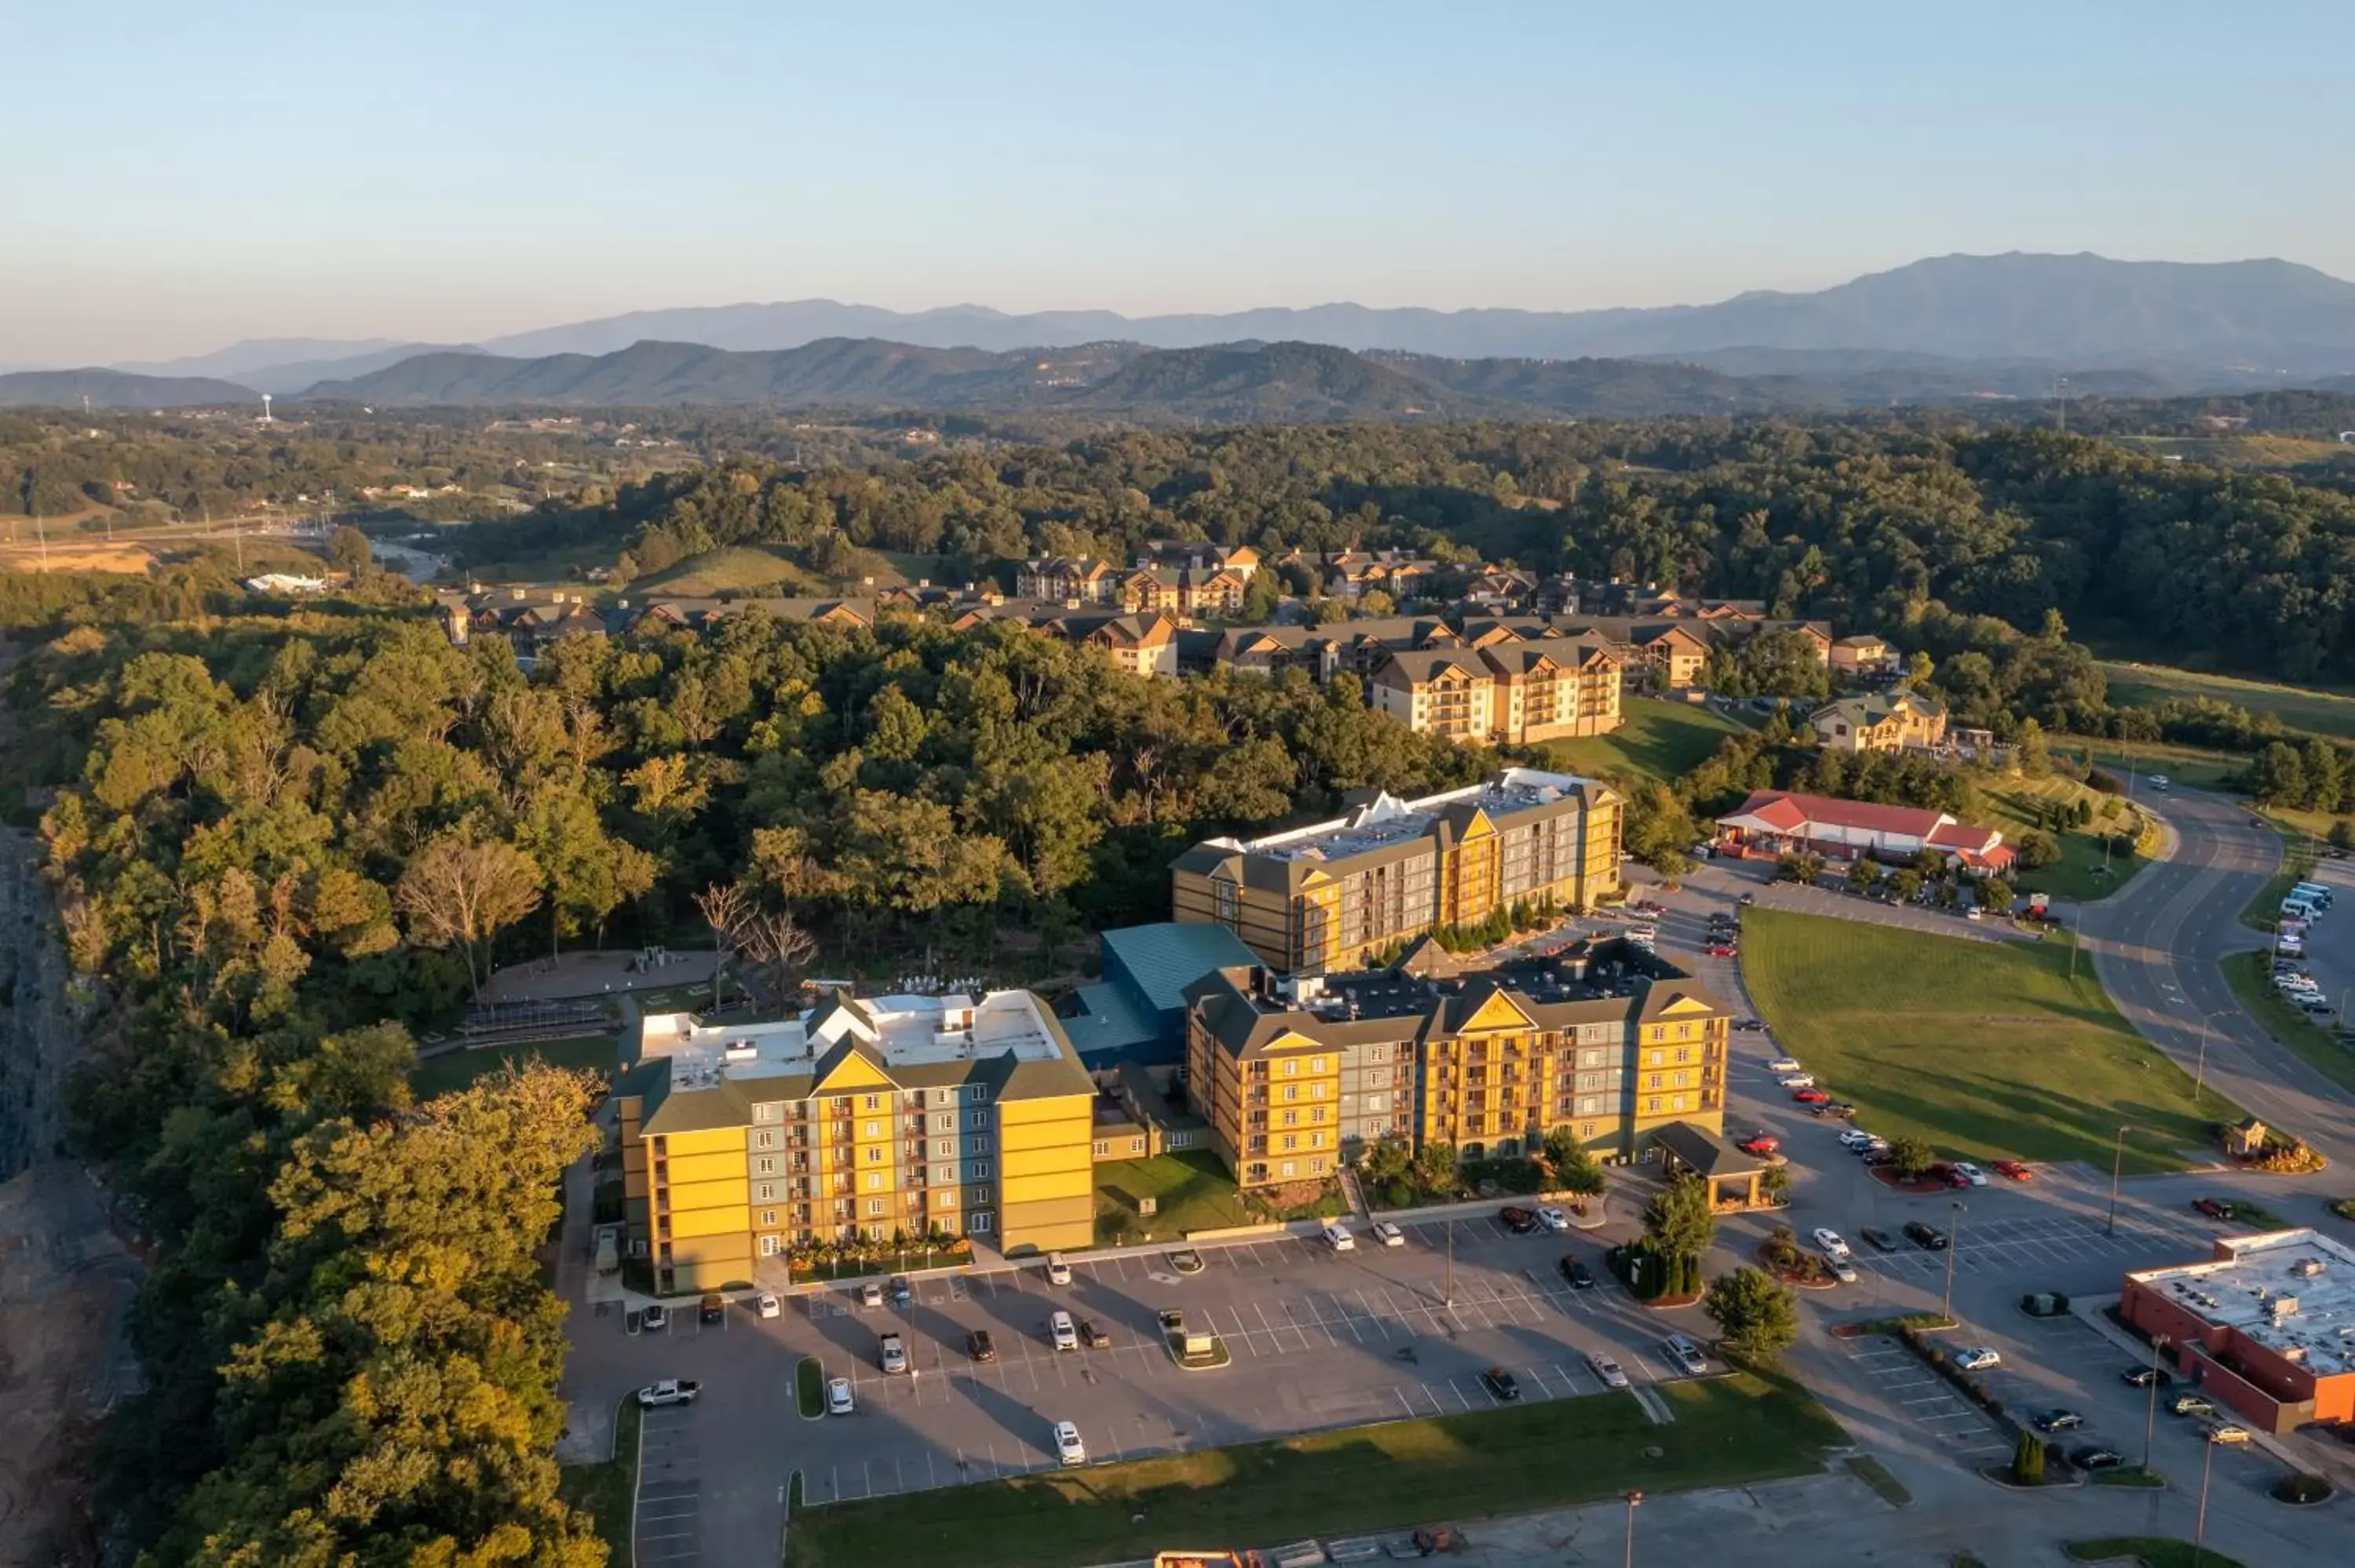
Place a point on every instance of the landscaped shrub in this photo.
(2027, 1460)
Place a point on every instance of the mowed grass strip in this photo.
(1355, 1481)
(2251, 976)
(1983, 1048)
(598, 1053)
(1658, 739)
(1190, 1190)
(2307, 709)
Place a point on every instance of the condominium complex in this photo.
(900, 1116)
(1508, 691)
(1324, 897)
(1297, 1078)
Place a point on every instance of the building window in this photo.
(765, 1190)
(874, 1206)
(1102, 1148)
(1292, 1069)
(1316, 1064)
(944, 1199)
(1651, 1106)
(875, 1102)
(980, 1171)
(944, 1174)
(977, 1119)
(765, 1166)
(1291, 1141)
(873, 1155)
(977, 1092)
(1292, 1091)
(1652, 1059)
(1316, 1141)
(1317, 1091)
(768, 1217)
(1317, 1168)
(874, 1179)
(1292, 1118)
(874, 1128)
(1136, 1146)
(765, 1111)
(1287, 1168)
(977, 1223)
(770, 1245)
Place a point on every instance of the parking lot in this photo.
(670, 1489)
(2024, 1243)
(1907, 1384)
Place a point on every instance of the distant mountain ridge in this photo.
(118, 389)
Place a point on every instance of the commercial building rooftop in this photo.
(2291, 1291)
(1387, 820)
(902, 1032)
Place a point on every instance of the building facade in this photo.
(1297, 1079)
(896, 1116)
(1889, 723)
(2266, 1326)
(1321, 898)
(1775, 823)
(1504, 689)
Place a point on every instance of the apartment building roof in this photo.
(1421, 666)
(1521, 658)
(697, 1077)
(1876, 708)
(2291, 1291)
(1385, 827)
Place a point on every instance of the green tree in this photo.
(1756, 1316)
(1574, 1167)
(1911, 1156)
(2027, 1460)
(2277, 777)
(1995, 896)
(1678, 1222)
(463, 889)
(348, 550)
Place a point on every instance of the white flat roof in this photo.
(2291, 1291)
(909, 1030)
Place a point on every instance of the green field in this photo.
(1191, 1191)
(1983, 1048)
(440, 1074)
(1356, 1481)
(2312, 710)
(739, 568)
(2078, 873)
(608, 1490)
(1656, 739)
(2193, 767)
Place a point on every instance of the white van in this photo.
(2313, 893)
(1338, 1236)
(2299, 909)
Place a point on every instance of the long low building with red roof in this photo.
(1775, 823)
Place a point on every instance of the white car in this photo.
(870, 1294)
(1685, 1354)
(1063, 1331)
(1970, 1172)
(838, 1397)
(767, 1305)
(1856, 1138)
(670, 1390)
(1068, 1447)
(1553, 1219)
(1796, 1081)
(1829, 1242)
(1842, 1270)
(1782, 1064)
(1388, 1235)
(893, 1354)
(1338, 1236)
(1977, 1358)
(1058, 1271)
(1603, 1366)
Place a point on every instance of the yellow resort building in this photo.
(897, 1116)
(1321, 898)
(1298, 1077)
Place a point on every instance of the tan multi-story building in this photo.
(1505, 690)
(1297, 1079)
(1879, 723)
(1321, 898)
(901, 1115)
(1060, 580)
(1140, 644)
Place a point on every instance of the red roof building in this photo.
(1775, 822)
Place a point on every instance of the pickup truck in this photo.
(895, 1353)
(670, 1390)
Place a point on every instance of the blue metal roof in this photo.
(1110, 1026)
(1163, 959)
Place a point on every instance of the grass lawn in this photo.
(2078, 874)
(2307, 709)
(1658, 739)
(606, 1489)
(809, 1387)
(1355, 1481)
(440, 1074)
(2152, 1550)
(1984, 1049)
(2193, 767)
(1190, 1189)
(744, 568)
(2249, 975)
(2263, 912)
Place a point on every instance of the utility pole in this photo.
(2199, 1521)
(1953, 1245)
(1447, 1291)
(1635, 1501)
(2158, 1343)
(2118, 1164)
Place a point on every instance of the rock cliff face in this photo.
(37, 1028)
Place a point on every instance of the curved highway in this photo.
(2157, 946)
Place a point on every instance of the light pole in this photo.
(2199, 1519)
(2118, 1164)
(2158, 1343)
(1953, 1245)
(1447, 1291)
(1635, 1501)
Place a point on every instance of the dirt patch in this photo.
(77, 556)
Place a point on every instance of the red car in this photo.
(1760, 1143)
(1722, 950)
(2013, 1168)
(1957, 1178)
(1811, 1097)
(2212, 1209)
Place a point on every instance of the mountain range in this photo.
(1952, 326)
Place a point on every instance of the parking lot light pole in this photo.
(2158, 1343)
(2199, 1519)
(1953, 1245)
(1447, 1291)
(2118, 1165)
(1635, 1501)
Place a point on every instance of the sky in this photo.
(174, 177)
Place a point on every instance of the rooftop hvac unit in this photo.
(2283, 1307)
(2307, 1267)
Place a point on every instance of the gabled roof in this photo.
(1780, 811)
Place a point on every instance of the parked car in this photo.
(1186, 1260)
(1750, 898)
(1388, 1235)
(1926, 1235)
(1811, 1097)
(1580, 1277)
(979, 1346)
(1058, 1271)
(2214, 1208)
(903, 1293)
(767, 1305)
(2143, 1377)
(1796, 1081)
(1336, 1237)
(1069, 1449)
(1552, 1219)
(1842, 1269)
(1749, 1025)
(2190, 1404)
(670, 1390)
(1784, 1064)
(1603, 1366)
(1838, 1110)
(1977, 1358)
(1061, 1332)
(1878, 1240)
(1093, 1337)
(1520, 1221)
(1501, 1384)
(2059, 1421)
(838, 1396)
(654, 1320)
(893, 1354)
(1760, 1142)
(1724, 950)
(2014, 1170)
(1685, 1355)
(713, 1308)
(1970, 1173)
(2093, 1457)
(870, 1294)
(1830, 1242)
(2228, 1431)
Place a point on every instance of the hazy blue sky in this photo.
(174, 175)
